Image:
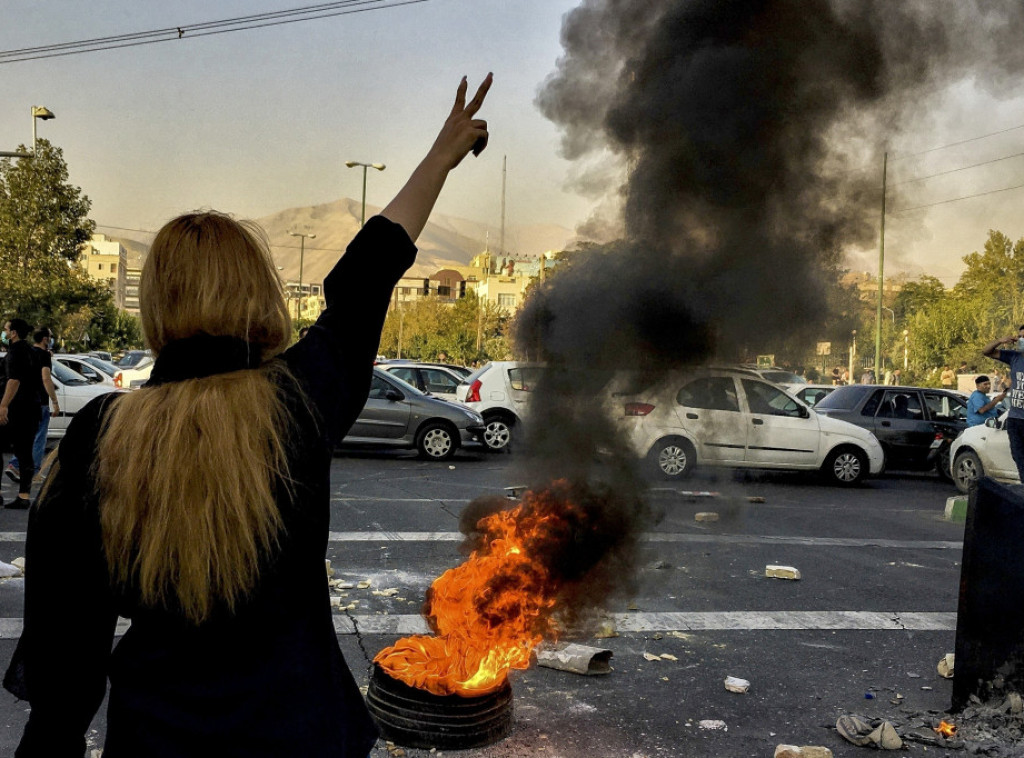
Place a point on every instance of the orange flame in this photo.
(490, 612)
(946, 729)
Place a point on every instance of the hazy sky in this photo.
(257, 121)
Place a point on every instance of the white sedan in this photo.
(729, 418)
(983, 450)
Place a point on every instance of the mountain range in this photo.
(445, 241)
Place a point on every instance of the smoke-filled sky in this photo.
(262, 120)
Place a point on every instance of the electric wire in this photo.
(955, 170)
(955, 199)
(204, 29)
(152, 232)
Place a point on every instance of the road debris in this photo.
(20, 563)
(713, 724)
(781, 572)
(8, 570)
(945, 667)
(735, 684)
(759, 499)
(860, 732)
(605, 631)
(802, 751)
(364, 585)
(706, 516)
(389, 592)
(330, 571)
(694, 494)
(574, 658)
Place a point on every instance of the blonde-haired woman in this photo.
(198, 506)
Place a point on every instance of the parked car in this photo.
(728, 418)
(103, 355)
(438, 380)
(133, 378)
(500, 391)
(983, 450)
(810, 394)
(95, 370)
(397, 414)
(915, 425)
(73, 392)
(135, 359)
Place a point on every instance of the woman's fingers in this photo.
(460, 97)
(481, 92)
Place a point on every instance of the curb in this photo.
(956, 508)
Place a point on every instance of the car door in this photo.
(522, 380)
(407, 374)
(89, 372)
(385, 415)
(781, 432)
(903, 429)
(947, 412)
(708, 408)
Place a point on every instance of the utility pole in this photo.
(504, 172)
(881, 278)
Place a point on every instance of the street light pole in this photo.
(379, 167)
(302, 256)
(881, 276)
(43, 114)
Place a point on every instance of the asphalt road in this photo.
(860, 632)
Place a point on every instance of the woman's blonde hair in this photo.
(188, 470)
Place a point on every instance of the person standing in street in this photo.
(198, 506)
(947, 378)
(979, 407)
(47, 400)
(1015, 419)
(19, 406)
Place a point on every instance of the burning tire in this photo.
(672, 458)
(416, 718)
(437, 442)
(498, 433)
(967, 469)
(845, 466)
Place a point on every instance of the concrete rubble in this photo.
(802, 751)
(781, 572)
(574, 658)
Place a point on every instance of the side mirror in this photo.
(394, 396)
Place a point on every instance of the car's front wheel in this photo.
(942, 463)
(498, 433)
(845, 466)
(967, 469)
(672, 458)
(437, 442)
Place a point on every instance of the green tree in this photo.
(43, 224)
(916, 296)
(466, 330)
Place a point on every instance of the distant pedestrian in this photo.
(962, 368)
(1015, 420)
(980, 407)
(19, 406)
(868, 377)
(947, 378)
(844, 376)
(47, 400)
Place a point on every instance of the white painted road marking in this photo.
(720, 621)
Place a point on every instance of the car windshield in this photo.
(783, 377)
(66, 376)
(477, 374)
(105, 366)
(843, 399)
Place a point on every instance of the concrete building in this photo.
(106, 260)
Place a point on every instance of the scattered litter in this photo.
(605, 631)
(389, 592)
(758, 499)
(706, 516)
(713, 724)
(735, 684)
(652, 657)
(869, 695)
(577, 659)
(451, 468)
(781, 572)
(330, 571)
(945, 667)
(364, 585)
(632, 606)
(7, 570)
(668, 657)
(802, 751)
(860, 732)
(20, 563)
(341, 584)
(1013, 704)
(694, 493)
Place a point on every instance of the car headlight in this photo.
(475, 417)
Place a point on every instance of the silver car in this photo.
(398, 415)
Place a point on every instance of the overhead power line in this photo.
(204, 29)
(962, 168)
(956, 199)
(276, 247)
